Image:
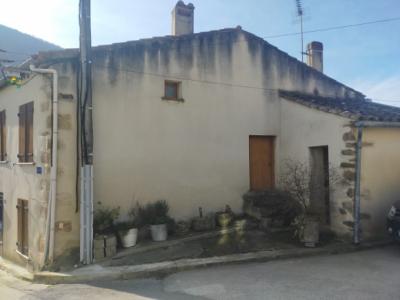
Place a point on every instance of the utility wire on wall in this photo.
(183, 78)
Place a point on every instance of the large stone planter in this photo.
(104, 246)
(182, 228)
(310, 233)
(204, 223)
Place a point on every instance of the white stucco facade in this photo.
(193, 153)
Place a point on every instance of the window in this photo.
(3, 136)
(22, 243)
(171, 90)
(25, 115)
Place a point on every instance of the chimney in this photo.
(182, 18)
(315, 56)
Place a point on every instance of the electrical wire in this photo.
(287, 34)
(334, 28)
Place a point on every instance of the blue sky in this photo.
(366, 57)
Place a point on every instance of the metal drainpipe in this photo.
(51, 214)
(357, 186)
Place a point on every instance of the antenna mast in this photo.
(300, 13)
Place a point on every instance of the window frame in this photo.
(177, 87)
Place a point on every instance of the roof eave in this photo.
(377, 124)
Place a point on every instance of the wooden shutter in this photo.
(29, 132)
(22, 131)
(23, 225)
(3, 136)
(25, 221)
(26, 133)
(20, 217)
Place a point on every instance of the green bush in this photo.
(103, 220)
(155, 213)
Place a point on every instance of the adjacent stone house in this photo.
(197, 119)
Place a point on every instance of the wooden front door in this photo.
(261, 150)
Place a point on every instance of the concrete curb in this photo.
(99, 273)
(15, 270)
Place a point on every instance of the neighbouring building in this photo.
(197, 119)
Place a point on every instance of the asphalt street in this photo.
(372, 274)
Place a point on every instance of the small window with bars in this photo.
(25, 116)
(23, 225)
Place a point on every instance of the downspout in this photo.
(357, 185)
(51, 208)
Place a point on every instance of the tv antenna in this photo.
(300, 14)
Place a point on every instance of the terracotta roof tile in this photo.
(358, 109)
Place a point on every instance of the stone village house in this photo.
(196, 119)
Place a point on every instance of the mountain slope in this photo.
(20, 46)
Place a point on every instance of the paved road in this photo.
(373, 274)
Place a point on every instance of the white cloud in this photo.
(386, 90)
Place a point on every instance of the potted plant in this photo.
(182, 228)
(203, 223)
(308, 229)
(105, 242)
(157, 216)
(103, 220)
(224, 218)
(296, 180)
(127, 232)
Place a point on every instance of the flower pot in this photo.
(182, 228)
(224, 219)
(144, 233)
(311, 233)
(159, 233)
(129, 238)
(204, 223)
